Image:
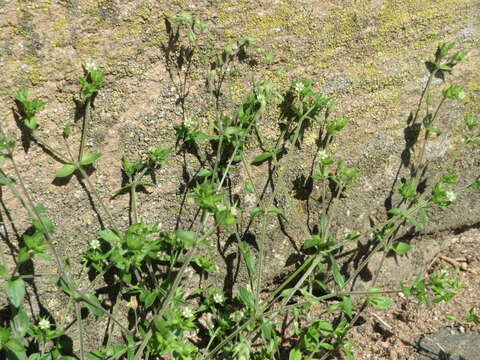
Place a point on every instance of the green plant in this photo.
(145, 265)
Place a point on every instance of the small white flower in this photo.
(299, 86)
(95, 244)
(322, 154)
(187, 312)
(221, 207)
(44, 324)
(261, 97)
(237, 315)
(188, 122)
(218, 298)
(234, 211)
(451, 196)
(90, 66)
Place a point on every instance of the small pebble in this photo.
(393, 355)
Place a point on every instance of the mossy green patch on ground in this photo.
(34, 4)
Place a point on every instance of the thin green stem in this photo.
(86, 121)
(80, 330)
(133, 203)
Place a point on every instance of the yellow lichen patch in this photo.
(33, 71)
(19, 30)
(60, 33)
(279, 19)
(341, 26)
(369, 77)
(473, 90)
(414, 22)
(87, 47)
(34, 4)
(400, 24)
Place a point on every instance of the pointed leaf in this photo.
(15, 346)
(401, 248)
(255, 211)
(16, 292)
(20, 323)
(92, 303)
(262, 157)
(89, 158)
(246, 298)
(187, 237)
(110, 236)
(295, 354)
(337, 276)
(65, 170)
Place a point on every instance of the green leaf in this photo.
(248, 257)
(324, 326)
(246, 298)
(43, 225)
(150, 299)
(191, 36)
(110, 236)
(450, 178)
(454, 92)
(450, 317)
(6, 180)
(315, 241)
(262, 157)
(62, 284)
(30, 122)
(476, 184)
(89, 158)
(444, 68)
(20, 323)
(204, 173)
(187, 237)
(92, 303)
(95, 355)
(408, 189)
(434, 130)
(255, 211)
(347, 306)
(23, 255)
(401, 248)
(4, 335)
(15, 346)
(22, 95)
(379, 301)
(348, 354)
(337, 276)
(276, 211)
(65, 170)
(134, 241)
(472, 317)
(470, 122)
(326, 346)
(459, 56)
(249, 187)
(443, 49)
(295, 354)
(16, 292)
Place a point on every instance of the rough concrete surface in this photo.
(367, 55)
